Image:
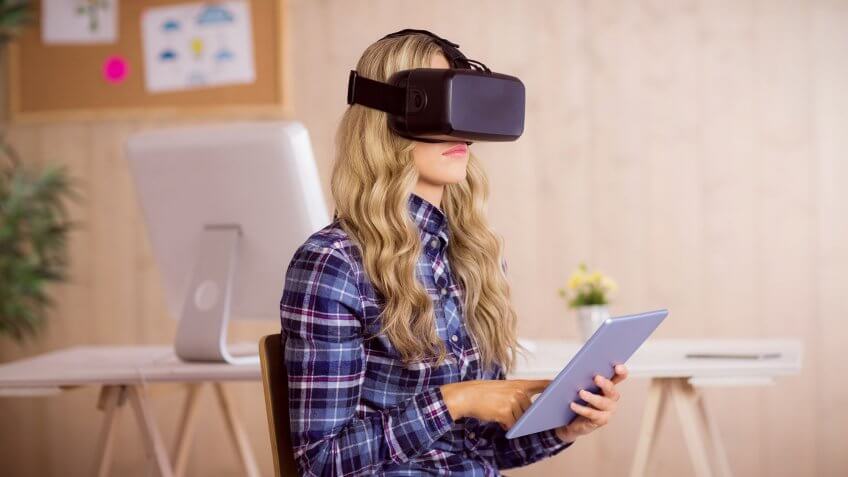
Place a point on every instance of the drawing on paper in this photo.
(197, 45)
(79, 21)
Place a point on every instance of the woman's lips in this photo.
(459, 150)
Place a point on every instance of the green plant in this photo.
(34, 227)
(585, 288)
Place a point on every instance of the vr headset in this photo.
(466, 102)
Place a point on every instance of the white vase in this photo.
(590, 317)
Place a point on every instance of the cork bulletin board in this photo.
(67, 81)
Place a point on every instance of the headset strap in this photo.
(451, 50)
(375, 94)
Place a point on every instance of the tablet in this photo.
(612, 343)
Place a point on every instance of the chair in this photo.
(275, 384)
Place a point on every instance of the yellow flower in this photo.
(595, 279)
(585, 286)
(576, 280)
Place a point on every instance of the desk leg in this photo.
(686, 400)
(113, 397)
(110, 401)
(147, 423)
(722, 465)
(185, 431)
(651, 420)
(237, 431)
(700, 429)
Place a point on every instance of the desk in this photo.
(121, 372)
(677, 379)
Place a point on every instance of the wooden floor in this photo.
(694, 150)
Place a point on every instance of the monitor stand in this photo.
(202, 330)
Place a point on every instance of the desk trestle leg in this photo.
(699, 428)
(185, 430)
(152, 438)
(112, 398)
(651, 420)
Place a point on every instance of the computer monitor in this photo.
(226, 206)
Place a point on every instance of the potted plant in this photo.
(33, 221)
(588, 292)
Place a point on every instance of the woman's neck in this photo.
(430, 192)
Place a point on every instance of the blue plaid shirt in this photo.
(355, 409)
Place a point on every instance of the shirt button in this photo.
(471, 435)
(454, 338)
(444, 291)
(434, 243)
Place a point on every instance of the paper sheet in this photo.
(196, 45)
(79, 21)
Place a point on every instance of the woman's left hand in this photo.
(601, 408)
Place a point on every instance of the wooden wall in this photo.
(694, 150)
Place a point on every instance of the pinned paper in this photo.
(79, 21)
(194, 45)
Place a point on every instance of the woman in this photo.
(397, 326)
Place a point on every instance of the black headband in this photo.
(450, 49)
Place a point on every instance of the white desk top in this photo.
(96, 365)
(86, 365)
(666, 358)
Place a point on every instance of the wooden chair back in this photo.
(275, 384)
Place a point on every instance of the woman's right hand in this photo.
(500, 400)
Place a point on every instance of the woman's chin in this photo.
(455, 178)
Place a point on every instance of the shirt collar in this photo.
(428, 217)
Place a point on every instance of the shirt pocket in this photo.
(424, 374)
(387, 369)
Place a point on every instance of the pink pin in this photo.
(115, 69)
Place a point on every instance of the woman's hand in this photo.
(602, 407)
(500, 400)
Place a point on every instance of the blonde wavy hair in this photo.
(372, 178)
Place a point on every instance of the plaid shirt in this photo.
(355, 409)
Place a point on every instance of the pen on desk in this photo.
(733, 355)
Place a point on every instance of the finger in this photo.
(621, 373)
(523, 401)
(607, 387)
(519, 403)
(533, 386)
(599, 402)
(508, 418)
(516, 411)
(593, 415)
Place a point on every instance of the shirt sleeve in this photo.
(321, 312)
(524, 450)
